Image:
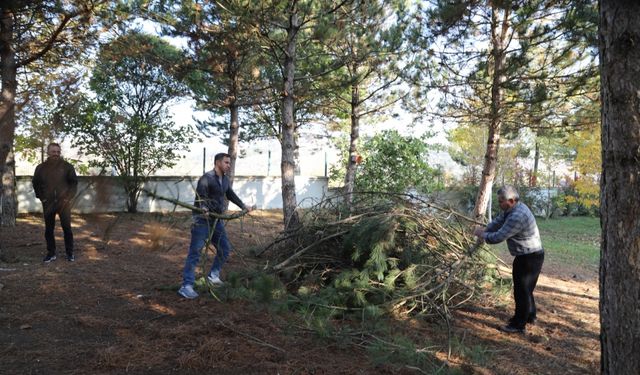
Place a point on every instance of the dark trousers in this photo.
(63, 210)
(526, 269)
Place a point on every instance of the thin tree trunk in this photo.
(234, 134)
(132, 205)
(7, 118)
(232, 150)
(350, 176)
(287, 164)
(536, 161)
(620, 187)
(132, 199)
(134, 179)
(498, 53)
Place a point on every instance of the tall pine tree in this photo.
(620, 187)
(488, 58)
(284, 26)
(225, 63)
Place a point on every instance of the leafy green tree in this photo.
(35, 36)
(492, 69)
(588, 163)
(467, 146)
(44, 103)
(396, 163)
(127, 127)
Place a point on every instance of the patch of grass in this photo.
(573, 240)
(569, 240)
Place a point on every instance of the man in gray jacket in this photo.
(517, 225)
(55, 184)
(213, 187)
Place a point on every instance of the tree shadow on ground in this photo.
(564, 340)
(116, 310)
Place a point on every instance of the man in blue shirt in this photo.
(212, 188)
(517, 225)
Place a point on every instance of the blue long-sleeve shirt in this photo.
(212, 190)
(518, 227)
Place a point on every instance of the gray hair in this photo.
(509, 192)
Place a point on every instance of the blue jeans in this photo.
(202, 231)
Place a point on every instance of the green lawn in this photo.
(570, 240)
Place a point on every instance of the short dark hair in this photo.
(221, 156)
(53, 144)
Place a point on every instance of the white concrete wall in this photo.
(103, 194)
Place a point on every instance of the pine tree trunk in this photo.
(7, 118)
(350, 176)
(234, 134)
(9, 197)
(620, 187)
(296, 152)
(498, 53)
(287, 164)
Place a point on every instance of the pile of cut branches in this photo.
(385, 252)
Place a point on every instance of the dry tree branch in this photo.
(299, 253)
(197, 209)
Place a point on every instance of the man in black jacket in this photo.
(211, 191)
(55, 184)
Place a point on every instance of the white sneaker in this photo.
(214, 279)
(187, 292)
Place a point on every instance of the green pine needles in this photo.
(386, 253)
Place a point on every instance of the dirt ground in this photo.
(115, 311)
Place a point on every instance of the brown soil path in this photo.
(114, 311)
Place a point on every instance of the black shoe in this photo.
(511, 329)
(530, 320)
(71, 258)
(49, 258)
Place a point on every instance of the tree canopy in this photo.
(126, 126)
(520, 75)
